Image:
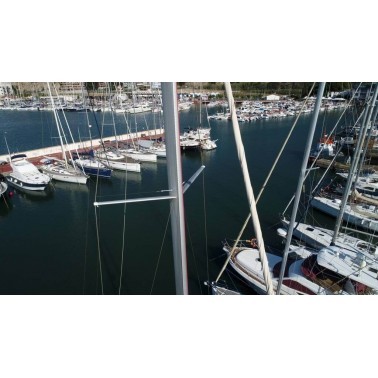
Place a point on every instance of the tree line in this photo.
(259, 89)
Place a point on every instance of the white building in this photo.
(5, 89)
(272, 97)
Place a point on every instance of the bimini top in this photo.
(19, 156)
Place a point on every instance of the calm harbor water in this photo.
(56, 243)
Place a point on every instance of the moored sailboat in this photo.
(91, 166)
(330, 270)
(137, 153)
(115, 160)
(175, 196)
(258, 242)
(345, 209)
(156, 147)
(330, 202)
(319, 237)
(59, 169)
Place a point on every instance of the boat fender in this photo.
(282, 232)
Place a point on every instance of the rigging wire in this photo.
(123, 239)
(194, 257)
(264, 185)
(205, 220)
(89, 201)
(204, 208)
(99, 249)
(204, 203)
(86, 244)
(96, 195)
(160, 252)
(317, 156)
(96, 215)
(232, 281)
(249, 190)
(64, 135)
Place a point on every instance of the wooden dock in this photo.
(337, 166)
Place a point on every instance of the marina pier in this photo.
(55, 151)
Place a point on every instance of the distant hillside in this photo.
(241, 89)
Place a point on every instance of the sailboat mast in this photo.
(200, 113)
(353, 168)
(249, 190)
(86, 114)
(69, 131)
(57, 125)
(367, 140)
(300, 182)
(6, 142)
(172, 137)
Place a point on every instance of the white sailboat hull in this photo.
(69, 178)
(153, 147)
(139, 109)
(146, 157)
(305, 276)
(356, 216)
(159, 152)
(65, 176)
(318, 237)
(121, 166)
(248, 265)
(110, 155)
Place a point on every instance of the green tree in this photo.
(91, 86)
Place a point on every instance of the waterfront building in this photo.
(272, 97)
(6, 89)
(73, 89)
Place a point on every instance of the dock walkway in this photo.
(324, 163)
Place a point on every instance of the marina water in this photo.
(50, 242)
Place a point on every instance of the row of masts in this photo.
(359, 254)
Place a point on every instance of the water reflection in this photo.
(69, 187)
(129, 176)
(6, 204)
(34, 195)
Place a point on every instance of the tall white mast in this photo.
(250, 195)
(302, 177)
(58, 126)
(354, 165)
(172, 137)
